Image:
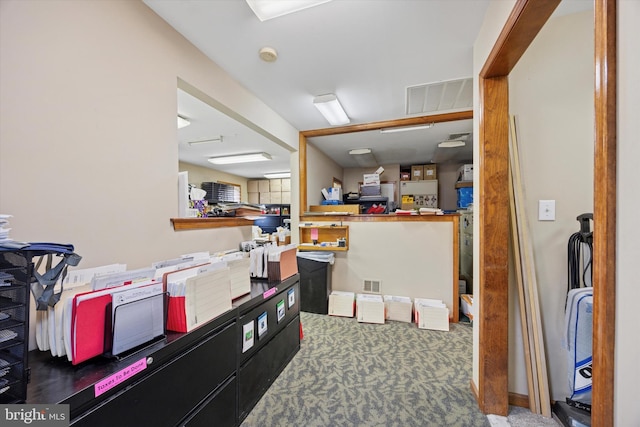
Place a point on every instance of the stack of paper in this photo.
(207, 296)
(341, 303)
(398, 308)
(197, 295)
(239, 265)
(431, 314)
(370, 308)
(5, 240)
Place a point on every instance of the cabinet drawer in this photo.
(218, 410)
(168, 394)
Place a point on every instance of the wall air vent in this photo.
(440, 96)
(372, 286)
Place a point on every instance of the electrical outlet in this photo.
(546, 210)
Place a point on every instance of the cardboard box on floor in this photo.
(342, 303)
(398, 308)
(369, 308)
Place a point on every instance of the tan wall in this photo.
(88, 151)
(199, 174)
(88, 136)
(320, 173)
(551, 95)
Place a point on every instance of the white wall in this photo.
(199, 174)
(551, 95)
(88, 136)
(627, 374)
(411, 259)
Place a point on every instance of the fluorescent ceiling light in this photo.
(182, 122)
(451, 144)
(406, 128)
(277, 175)
(330, 108)
(269, 9)
(206, 141)
(240, 158)
(360, 151)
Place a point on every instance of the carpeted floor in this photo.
(356, 374)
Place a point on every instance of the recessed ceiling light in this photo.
(240, 158)
(406, 128)
(360, 151)
(269, 9)
(451, 144)
(330, 108)
(277, 175)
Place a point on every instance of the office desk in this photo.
(199, 378)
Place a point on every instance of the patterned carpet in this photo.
(356, 374)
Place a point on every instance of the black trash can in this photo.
(315, 281)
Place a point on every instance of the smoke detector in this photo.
(268, 54)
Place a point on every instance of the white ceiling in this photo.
(367, 52)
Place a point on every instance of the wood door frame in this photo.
(524, 23)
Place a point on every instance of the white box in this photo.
(370, 308)
(465, 172)
(286, 184)
(254, 198)
(398, 308)
(371, 179)
(341, 303)
(431, 314)
(265, 198)
(335, 193)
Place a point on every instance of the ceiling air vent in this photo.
(440, 96)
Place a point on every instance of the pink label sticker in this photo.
(120, 376)
(268, 293)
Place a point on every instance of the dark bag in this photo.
(43, 286)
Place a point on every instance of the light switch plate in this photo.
(546, 210)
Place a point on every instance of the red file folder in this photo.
(176, 316)
(88, 324)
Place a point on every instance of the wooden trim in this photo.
(378, 218)
(604, 248)
(180, 224)
(524, 23)
(493, 317)
(455, 316)
(302, 175)
(520, 400)
(512, 43)
(411, 121)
